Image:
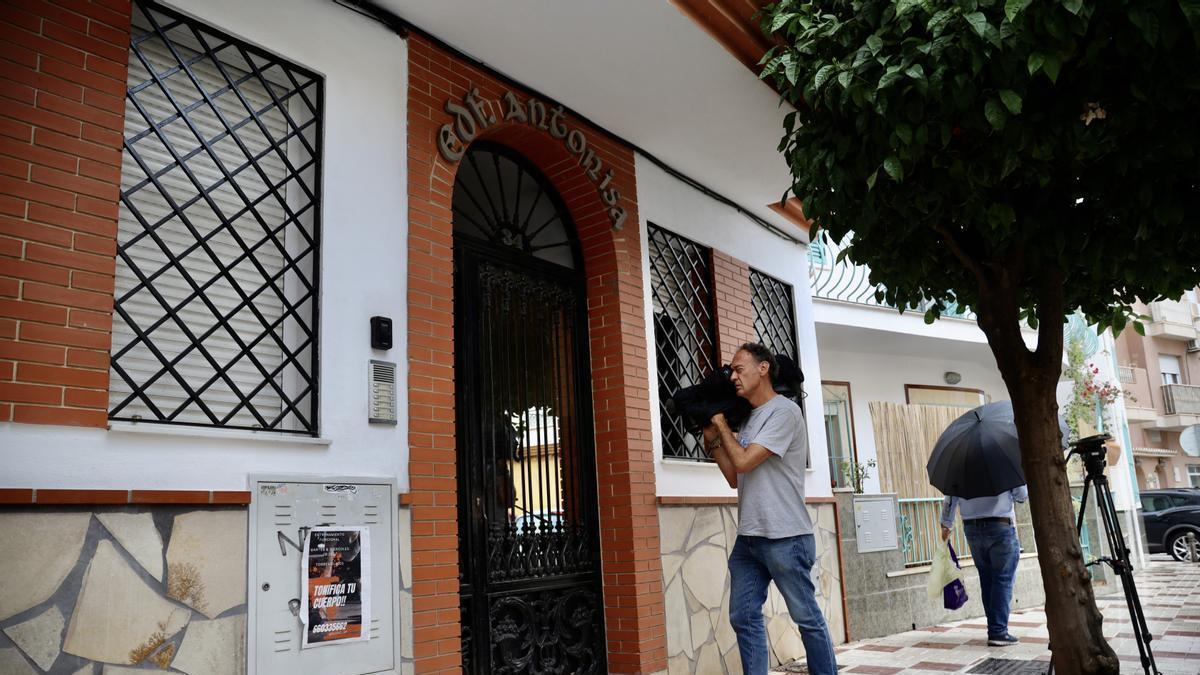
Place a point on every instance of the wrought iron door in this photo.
(529, 546)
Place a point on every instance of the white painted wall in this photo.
(673, 205)
(882, 376)
(364, 269)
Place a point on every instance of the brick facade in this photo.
(734, 311)
(62, 107)
(62, 87)
(632, 568)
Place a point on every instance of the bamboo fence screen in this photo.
(904, 438)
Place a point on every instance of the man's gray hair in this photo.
(760, 354)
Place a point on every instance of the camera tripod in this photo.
(1091, 451)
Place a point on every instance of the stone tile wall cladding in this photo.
(696, 541)
(404, 537)
(100, 590)
(869, 585)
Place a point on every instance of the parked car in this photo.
(1168, 515)
(538, 521)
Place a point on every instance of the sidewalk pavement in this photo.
(1170, 593)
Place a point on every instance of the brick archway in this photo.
(631, 562)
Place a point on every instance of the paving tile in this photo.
(938, 645)
(1169, 593)
(881, 648)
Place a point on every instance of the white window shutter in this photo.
(201, 241)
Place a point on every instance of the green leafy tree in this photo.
(1024, 159)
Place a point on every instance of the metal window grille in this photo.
(775, 322)
(685, 336)
(217, 264)
(774, 314)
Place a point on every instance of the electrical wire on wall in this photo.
(403, 28)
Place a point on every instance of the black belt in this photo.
(1006, 521)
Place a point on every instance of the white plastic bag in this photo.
(942, 572)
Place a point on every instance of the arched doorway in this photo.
(529, 550)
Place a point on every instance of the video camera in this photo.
(1093, 453)
(716, 394)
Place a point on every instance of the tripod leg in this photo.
(1123, 568)
(1087, 484)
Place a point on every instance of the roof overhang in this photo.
(733, 23)
(643, 71)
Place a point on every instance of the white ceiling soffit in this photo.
(858, 340)
(638, 68)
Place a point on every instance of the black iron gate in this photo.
(529, 545)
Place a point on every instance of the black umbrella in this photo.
(979, 455)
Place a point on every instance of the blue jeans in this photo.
(756, 561)
(996, 551)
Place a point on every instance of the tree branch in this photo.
(959, 252)
(1048, 356)
(1000, 319)
(1016, 260)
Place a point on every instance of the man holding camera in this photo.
(766, 463)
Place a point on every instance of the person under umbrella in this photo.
(976, 463)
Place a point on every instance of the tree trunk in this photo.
(1076, 639)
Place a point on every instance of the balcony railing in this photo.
(1173, 319)
(1172, 311)
(920, 530)
(1181, 399)
(846, 282)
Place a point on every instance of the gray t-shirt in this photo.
(771, 497)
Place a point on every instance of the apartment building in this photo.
(1160, 373)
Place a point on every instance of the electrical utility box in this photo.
(283, 510)
(875, 523)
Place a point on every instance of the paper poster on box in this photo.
(335, 584)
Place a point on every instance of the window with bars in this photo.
(218, 237)
(685, 335)
(774, 314)
(775, 322)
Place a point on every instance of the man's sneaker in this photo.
(1003, 640)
